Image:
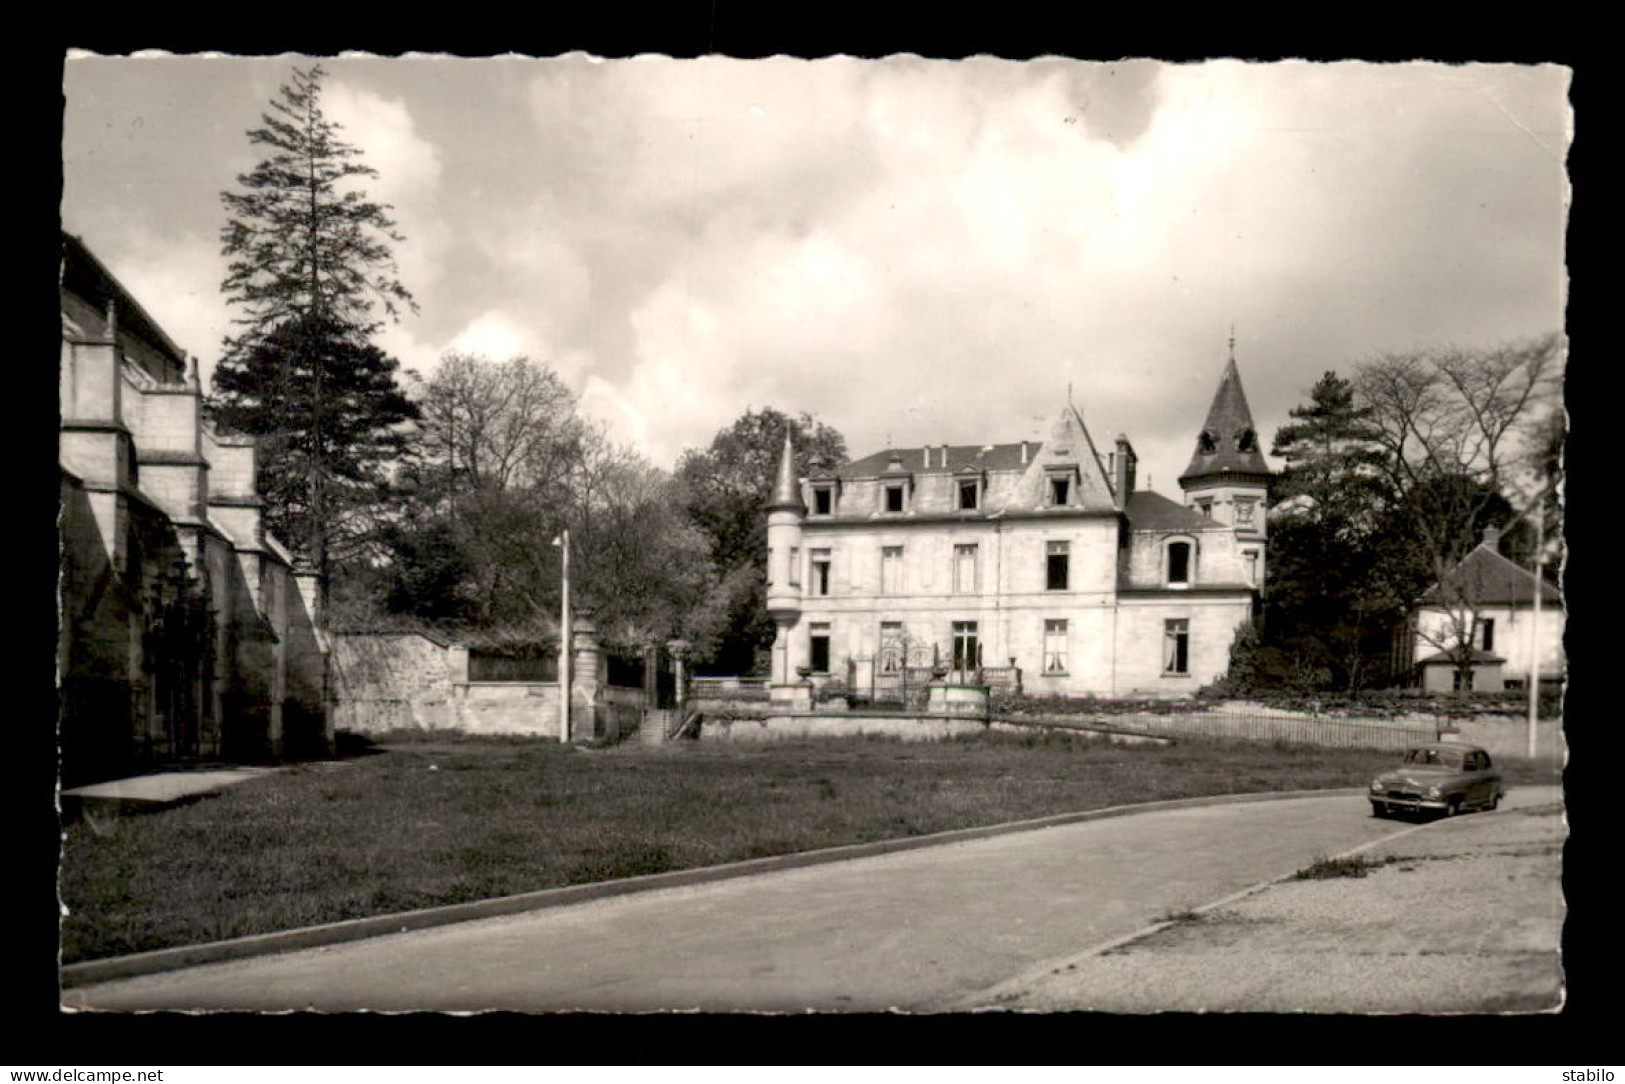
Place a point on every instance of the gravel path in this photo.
(1461, 916)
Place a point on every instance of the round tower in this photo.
(1228, 480)
(785, 513)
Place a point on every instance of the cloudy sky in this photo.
(914, 251)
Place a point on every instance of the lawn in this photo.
(419, 823)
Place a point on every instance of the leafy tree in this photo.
(505, 462)
(725, 489)
(727, 486)
(310, 272)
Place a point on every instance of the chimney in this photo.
(1492, 538)
(1023, 453)
(926, 451)
(1124, 463)
(945, 456)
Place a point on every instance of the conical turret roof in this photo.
(786, 493)
(1228, 443)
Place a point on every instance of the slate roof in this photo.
(1491, 580)
(1149, 511)
(1227, 420)
(996, 457)
(786, 493)
(1480, 658)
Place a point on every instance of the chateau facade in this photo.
(1042, 556)
(185, 630)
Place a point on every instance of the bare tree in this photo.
(1461, 430)
(498, 425)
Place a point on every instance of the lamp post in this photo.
(563, 542)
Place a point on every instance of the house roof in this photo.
(1480, 658)
(85, 275)
(1489, 579)
(990, 457)
(1150, 511)
(1228, 443)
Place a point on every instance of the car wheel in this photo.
(1378, 809)
(1495, 800)
(1453, 807)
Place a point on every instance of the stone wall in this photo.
(386, 682)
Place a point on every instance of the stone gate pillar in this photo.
(586, 677)
(679, 654)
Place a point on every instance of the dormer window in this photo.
(1179, 563)
(894, 496)
(1207, 443)
(823, 500)
(1246, 441)
(1060, 490)
(970, 494)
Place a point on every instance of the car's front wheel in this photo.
(1378, 809)
(1453, 807)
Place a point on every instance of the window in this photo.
(891, 570)
(1054, 647)
(1179, 563)
(1250, 559)
(969, 494)
(891, 647)
(1060, 489)
(1246, 441)
(819, 662)
(795, 566)
(967, 650)
(1244, 512)
(1486, 633)
(1207, 443)
(1057, 559)
(1176, 645)
(894, 497)
(823, 500)
(1460, 682)
(965, 569)
(1205, 508)
(820, 572)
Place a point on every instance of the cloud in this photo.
(409, 171)
(175, 277)
(912, 250)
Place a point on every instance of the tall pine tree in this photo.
(1327, 616)
(311, 275)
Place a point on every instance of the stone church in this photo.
(1038, 556)
(185, 630)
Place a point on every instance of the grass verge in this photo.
(437, 822)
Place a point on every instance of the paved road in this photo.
(914, 930)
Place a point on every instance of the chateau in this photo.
(185, 630)
(1037, 556)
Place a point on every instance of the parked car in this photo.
(1442, 777)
